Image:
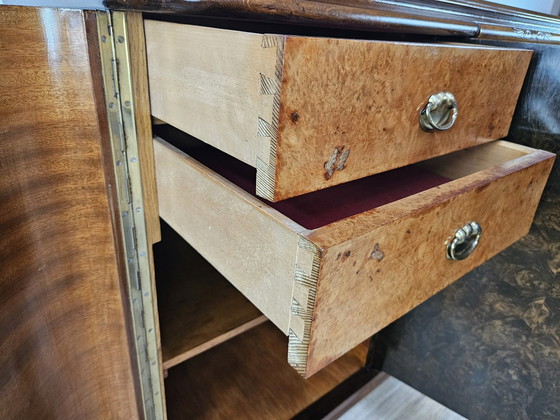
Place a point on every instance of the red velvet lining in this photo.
(321, 207)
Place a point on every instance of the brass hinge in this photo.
(115, 60)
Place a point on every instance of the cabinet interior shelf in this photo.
(248, 377)
(198, 308)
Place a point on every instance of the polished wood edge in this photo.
(307, 12)
(498, 10)
(474, 11)
(90, 21)
(139, 75)
(512, 34)
(455, 18)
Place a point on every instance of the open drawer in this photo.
(309, 113)
(351, 259)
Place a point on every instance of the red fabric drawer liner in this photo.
(318, 208)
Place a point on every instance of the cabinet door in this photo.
(64, 351)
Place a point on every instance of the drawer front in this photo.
(381, 264)
(331, 287)
(310, 113)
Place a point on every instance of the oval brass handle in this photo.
(465, 241)
(440, 112)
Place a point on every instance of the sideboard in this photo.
(82, 236)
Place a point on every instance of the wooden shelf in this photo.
(249, 377)
(198, 308)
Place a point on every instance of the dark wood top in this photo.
(443, 18)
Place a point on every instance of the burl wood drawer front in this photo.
(310, 113)
(332, 284)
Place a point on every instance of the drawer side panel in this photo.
(221, 87)
(254, 251)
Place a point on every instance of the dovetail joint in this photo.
(298, 346)
(266, 171)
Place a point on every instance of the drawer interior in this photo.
(319, 208)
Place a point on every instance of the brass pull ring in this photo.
(465, 241)
(440, 113)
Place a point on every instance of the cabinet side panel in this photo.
(65, 352)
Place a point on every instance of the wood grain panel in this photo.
(364, 99)
(377, 266)
(455, 18)
(65, 351)
(350, 15)
(248, 377)
(222, 91)
(199, 309)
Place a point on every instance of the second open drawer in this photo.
(333, 267)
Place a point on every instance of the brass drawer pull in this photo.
(439, 113)
(465, 241)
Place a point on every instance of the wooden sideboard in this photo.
(79, 289)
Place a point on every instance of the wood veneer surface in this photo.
(444, 18)
(373, 267)
(64, 350)
(363, 99)
(248, 377)
(407, 263)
